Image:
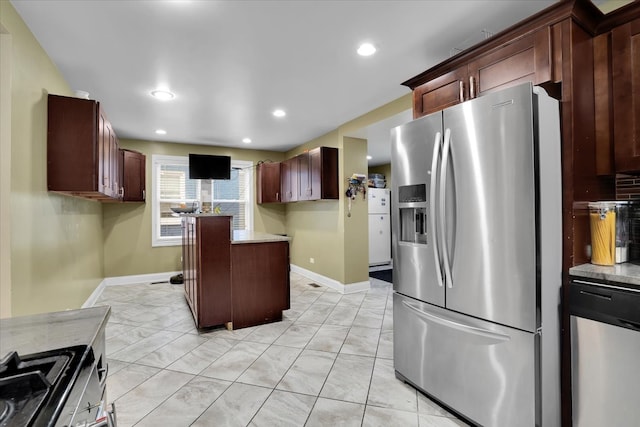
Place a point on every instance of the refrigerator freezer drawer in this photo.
(485, 372)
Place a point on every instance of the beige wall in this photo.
(314, 227)
(356, 225)
(56, 241)
(61, 247)
(5, 173)
(322, 230)
(127, 226)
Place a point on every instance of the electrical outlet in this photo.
(312, 260)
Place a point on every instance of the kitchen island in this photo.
(233, 278)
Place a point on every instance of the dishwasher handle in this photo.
(630, 325)
(605, 302)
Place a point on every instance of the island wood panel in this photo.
(207, 269)
(260, 282)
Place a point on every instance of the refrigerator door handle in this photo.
(495, 337)
(442, 207)
(432, 206)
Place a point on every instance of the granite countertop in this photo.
(243, 236)
(48, 331)
(626, 273)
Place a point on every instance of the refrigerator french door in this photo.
(477, 245)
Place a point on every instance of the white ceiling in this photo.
(231, 63)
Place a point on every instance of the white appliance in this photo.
(477, 240)
(379, 226)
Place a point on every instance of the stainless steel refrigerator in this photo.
(477, 241)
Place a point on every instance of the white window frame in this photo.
(157, 161)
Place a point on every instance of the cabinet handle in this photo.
(461, 91)
(144, 194)
(277, 196)
(472, 87)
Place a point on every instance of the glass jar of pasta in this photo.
(609, 232)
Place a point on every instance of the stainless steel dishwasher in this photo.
(605, 353)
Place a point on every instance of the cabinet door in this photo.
(441, 92)
(625, 59)
(268, 182)
(260, 282)
(105, 168)
(323, 176)
(304, 176)
(526, 59)
(73, 145)
(289, 181)
(133, 176)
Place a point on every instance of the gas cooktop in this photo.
(35, 387)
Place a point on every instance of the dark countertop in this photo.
(626, 273)
(47, 331)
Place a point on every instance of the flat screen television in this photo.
(206, 166)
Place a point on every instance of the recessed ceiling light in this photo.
(369, 157)
(161, 131)
(246, 140)
(366, 49)
(279, 113)
(163, 95)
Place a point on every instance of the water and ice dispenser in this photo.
(413, 213)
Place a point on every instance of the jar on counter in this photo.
(609, 232)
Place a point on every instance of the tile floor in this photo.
(329, 362)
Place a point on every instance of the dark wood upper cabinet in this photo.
(289, 180)
(132, 176)
(625, 61)
(441, 92)
(304, 176)
(525, 58)
(82, 149)
(268, 182)
(312, 175)
(318, 174)
(323, 162)
(83, 154)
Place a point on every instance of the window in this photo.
(173, 188)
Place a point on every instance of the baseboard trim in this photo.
(90, 302)
(141, 278)
(350, 288)
(127, 280)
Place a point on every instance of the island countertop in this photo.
(47, 331)
(626, 273)
(244, 236)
